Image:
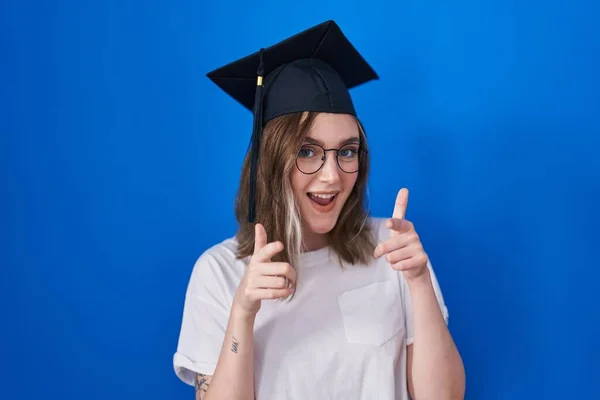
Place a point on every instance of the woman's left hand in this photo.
(403, 250)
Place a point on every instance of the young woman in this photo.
(313, 298)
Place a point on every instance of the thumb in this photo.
(260, 237)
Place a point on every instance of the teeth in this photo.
(323, 196)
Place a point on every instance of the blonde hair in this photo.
(276, 206)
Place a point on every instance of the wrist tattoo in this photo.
(201, 385)
(234, 346)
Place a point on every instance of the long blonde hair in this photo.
(276, 207)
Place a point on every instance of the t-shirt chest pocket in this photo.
(372, 314)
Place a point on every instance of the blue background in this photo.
(119, 162)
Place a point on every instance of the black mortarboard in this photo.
(310, 71)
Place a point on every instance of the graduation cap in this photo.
(310, 71)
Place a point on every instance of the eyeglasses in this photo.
(312, 157)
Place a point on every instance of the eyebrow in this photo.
(354, 139)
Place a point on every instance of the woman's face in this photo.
(322, 194)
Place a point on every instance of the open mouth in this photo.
(322, 201)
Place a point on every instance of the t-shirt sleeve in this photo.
(203, 325)
(408, 311)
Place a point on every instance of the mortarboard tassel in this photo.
(256, 137)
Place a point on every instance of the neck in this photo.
(314, 241)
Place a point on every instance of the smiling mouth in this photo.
(322, 200)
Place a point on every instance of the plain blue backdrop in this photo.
(119, 162)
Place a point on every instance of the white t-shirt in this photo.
(343, 335)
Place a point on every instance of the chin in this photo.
(321, 225)
(320, 215)
(321, 220)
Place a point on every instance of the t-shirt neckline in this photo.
(315, 257)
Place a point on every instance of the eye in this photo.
(306, 152)
(349, 151)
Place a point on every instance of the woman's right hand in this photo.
(264, 279)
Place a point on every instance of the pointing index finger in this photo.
(401, 204)
(260, 237)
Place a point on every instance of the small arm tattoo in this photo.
(202, 382)
(234, 346)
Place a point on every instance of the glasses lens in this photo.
(348, 158)
(310, 158)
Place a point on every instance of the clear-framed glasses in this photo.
(312, 157)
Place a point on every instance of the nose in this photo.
(329, 172)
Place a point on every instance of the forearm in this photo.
(234, 376)
(437, 369)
